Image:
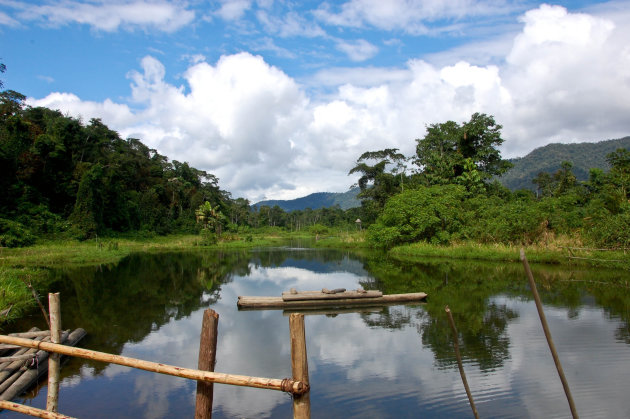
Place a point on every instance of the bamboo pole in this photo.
(31, 335)
(54, 367)
(545, 326)
(31, 411)
(459, 361)
(207, 359)
(292, 386)
(299, 365)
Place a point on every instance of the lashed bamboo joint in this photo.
(293, 386)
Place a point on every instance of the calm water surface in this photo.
(393, 362)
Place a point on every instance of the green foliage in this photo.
(59, 175)
(612, 231)
(208, 237)
(318, 229)
(444, 152)
(14, 234)
(428, 213)
(493, 220)
(377, 183)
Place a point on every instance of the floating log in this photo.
(263, 303)
(334, 311)
(323, 295)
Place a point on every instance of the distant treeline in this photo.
(62, 177)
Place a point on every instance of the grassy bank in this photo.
(20, 266)
(556, 253)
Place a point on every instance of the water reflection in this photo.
(394, 361)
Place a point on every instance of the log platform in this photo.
(326, 298)
(20, 368)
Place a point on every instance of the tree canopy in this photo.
(443, 153)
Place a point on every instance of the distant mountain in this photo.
(584, 156)
(317, 200)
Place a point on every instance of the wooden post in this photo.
(545, 326)
(299, 365)
(54, 308)
(207, 359)
(459, 361)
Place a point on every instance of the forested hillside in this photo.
(549, 158)
(59, 175)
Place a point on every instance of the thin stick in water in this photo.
(28, 284)
(545, 326)
(459, 361)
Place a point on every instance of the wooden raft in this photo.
(325, 298)
(20, 368)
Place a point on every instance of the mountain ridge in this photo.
(345, 200)
(548, 158)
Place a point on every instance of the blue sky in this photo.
(279, 98)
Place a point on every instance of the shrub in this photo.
(14, 234)
(208, 238)
(429, 213)
(612, 231)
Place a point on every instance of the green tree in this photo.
(377, 183)
(619, 161)
(432, 214)
(442, 154)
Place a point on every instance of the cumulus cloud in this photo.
(110, 15)
(233, 9)
(564, 77)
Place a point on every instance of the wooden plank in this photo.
(279, 303)
(295, 387)
(319, 295)
(207, 359)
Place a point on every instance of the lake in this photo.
(396, 361)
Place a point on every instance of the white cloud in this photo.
(359, 50)
(411, 16)
(565, 77)
(292, 24)
(267, 44)
(7, 20)
(233, 9)
(110, 15)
